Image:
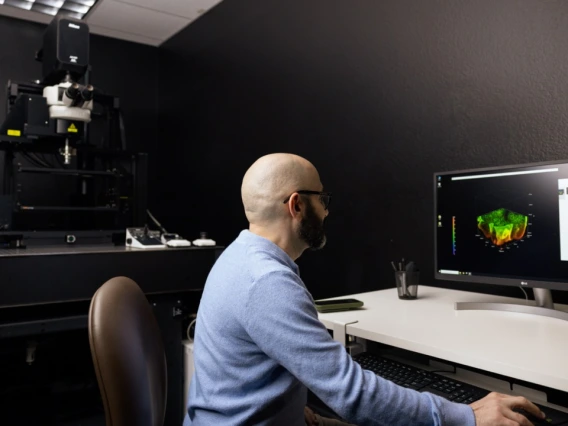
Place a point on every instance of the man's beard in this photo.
(311, 229)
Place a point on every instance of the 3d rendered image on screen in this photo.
(502, 226)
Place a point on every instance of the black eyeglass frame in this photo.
(322, 196)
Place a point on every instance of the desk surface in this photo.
(522, 346)
(71, 249)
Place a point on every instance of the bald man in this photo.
(259, 344)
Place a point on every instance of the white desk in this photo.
(521, 346)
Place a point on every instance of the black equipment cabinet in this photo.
(45, 294)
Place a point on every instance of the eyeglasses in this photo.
(325, 197)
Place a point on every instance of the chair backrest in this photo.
(128, 355)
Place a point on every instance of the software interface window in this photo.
(563, 217)
(510, 223)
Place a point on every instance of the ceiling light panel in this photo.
(72, 8)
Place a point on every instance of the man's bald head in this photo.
(270, 180)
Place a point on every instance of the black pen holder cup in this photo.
(407, 284)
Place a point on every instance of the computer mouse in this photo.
(535, 420)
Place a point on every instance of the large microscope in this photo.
(66, 174)
(64, 106)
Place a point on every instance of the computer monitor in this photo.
(504, 226)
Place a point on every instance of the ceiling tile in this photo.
(25, 14)
(136, 38)
(190, 9)
(130, 19)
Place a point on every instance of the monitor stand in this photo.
(543, 306)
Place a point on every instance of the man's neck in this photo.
(284, 240)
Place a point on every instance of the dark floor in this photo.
(58, 387)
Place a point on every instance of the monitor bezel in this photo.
(490, 280)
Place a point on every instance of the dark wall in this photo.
(379, 96)
(127, 70)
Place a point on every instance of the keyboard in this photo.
(424, 381)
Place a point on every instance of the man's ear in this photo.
(295, 207)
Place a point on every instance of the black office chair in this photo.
(128, 355)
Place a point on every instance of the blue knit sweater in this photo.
(259, 345)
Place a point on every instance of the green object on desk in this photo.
(336, 305)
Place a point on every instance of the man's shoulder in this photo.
(249, 263)
(256, 255)
(261, 265)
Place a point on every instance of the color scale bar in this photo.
(454, 235)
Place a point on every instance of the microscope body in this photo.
(58, 106)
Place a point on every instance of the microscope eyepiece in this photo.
(72, 91)
(72, 95)
(87, 93)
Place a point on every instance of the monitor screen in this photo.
(506, 226)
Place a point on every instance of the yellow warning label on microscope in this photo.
(14, 132)
(72, 128)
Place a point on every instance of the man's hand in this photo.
(496, 409)
(310, 417)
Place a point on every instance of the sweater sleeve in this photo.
(281, 318)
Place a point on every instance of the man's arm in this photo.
(282, 320)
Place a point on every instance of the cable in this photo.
(156, 222)
(45, 160)
(122, 132)
(33, 160)
(189, 328)
(526, 295)
(42, 161)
